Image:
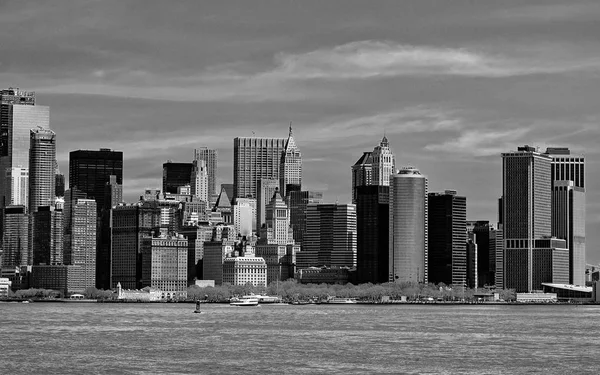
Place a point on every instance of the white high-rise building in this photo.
(200, 180)
(18, 180)
(383, 163)
(244, 216)
(291, 167)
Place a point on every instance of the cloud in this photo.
(482, 142)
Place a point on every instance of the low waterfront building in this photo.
(319, 275)
(164, 264)
(245, 269)
(5, 284)
(537, 297)
(146, 294)
(569, 292)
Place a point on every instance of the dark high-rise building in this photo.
(330, 237)
(255, 159)
(447, 238)
(176, 175)
(42, 156)
(362, 172)
(479, 232)
(15, 241)
(298, 203)
(113, 195)
(372, 230)
(128, 225)
(90, 170)
(59, 185)
(265, 188)
(47, 236)
(567, 167)
(210, 158)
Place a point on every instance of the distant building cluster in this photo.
(263, 227)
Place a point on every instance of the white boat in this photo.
(244, 301)
(340, 300)
(268, 299)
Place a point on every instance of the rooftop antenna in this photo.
(290, 128)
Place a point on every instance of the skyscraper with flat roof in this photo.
(255, 159)
(447, 239)
(291, 167)
(42, 156)
(210, 158)
(408, 227)
(15, 241)
(47, 236)
(176, 175)
(298, 203)
(526, 212)
(362, 172)
(18, 115)
(83, 243)
(372, 227)
(90, 170)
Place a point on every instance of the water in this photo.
(72, 338)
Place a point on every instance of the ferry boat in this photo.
(268, 299)
(244, 301)
(341, 300)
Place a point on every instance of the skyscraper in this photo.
(372, 227)
(210, 158)
(83, 242)
(330, 237)
(42, 156)
(255, 159)
(408, 227)
(568, 207)
(362, 173)
(164, 264)
(15, 241)
(90, 170)
(71, 197)
(200, 180)
(526, 214)
(18, 115)
(175, 175)
(483, 235)
(47, 236)
(244, 216)
(383, 163)
(265, 188)
(291, 167)
(17, 180)
(447, 239)
(113, 196)
(298, 203)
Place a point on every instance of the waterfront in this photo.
(169, 338)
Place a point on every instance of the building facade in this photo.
(90, 170)
(526, 212)
(408, 227)
(265, 188)
(383, 163)
(290, 175)
(42, 156)
(362, 173)
(330, 237)
(447, 239)
(15, 239)
(175, 175)
(164, 264)
(245, 269)
(372, 230)
(47, 236)
(298, 201)
(210, 158)
(255, 159)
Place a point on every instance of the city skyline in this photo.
(449, 104)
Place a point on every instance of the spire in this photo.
(384, 140)
(290, 129)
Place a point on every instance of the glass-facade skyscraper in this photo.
(42, 156)
(90, 171)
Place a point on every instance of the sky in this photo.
(452, 84)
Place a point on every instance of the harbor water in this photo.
(73, 338)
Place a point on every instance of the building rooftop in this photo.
(576, 288)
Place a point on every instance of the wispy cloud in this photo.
(482, 142)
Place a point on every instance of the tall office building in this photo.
(277, 226)
(291, 167)
(18, 115)
(15, 241)
(526, 213)
(265, 188)
(128, 225)
(210, 158)
(362, 173)
(481, 232)
(330, 237)
(372, 225)
(71, 197)
(176, 175)
(568, 207)
(408, 227)
(244, 216)
(17, 180)
(200, 180)
(383, 163)
(113, 196)
(83, 242)
(447, 239)
(90, 170)
(42, 156)
(298, 203)
(47, 236)
(568, 223)
(255, 159)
